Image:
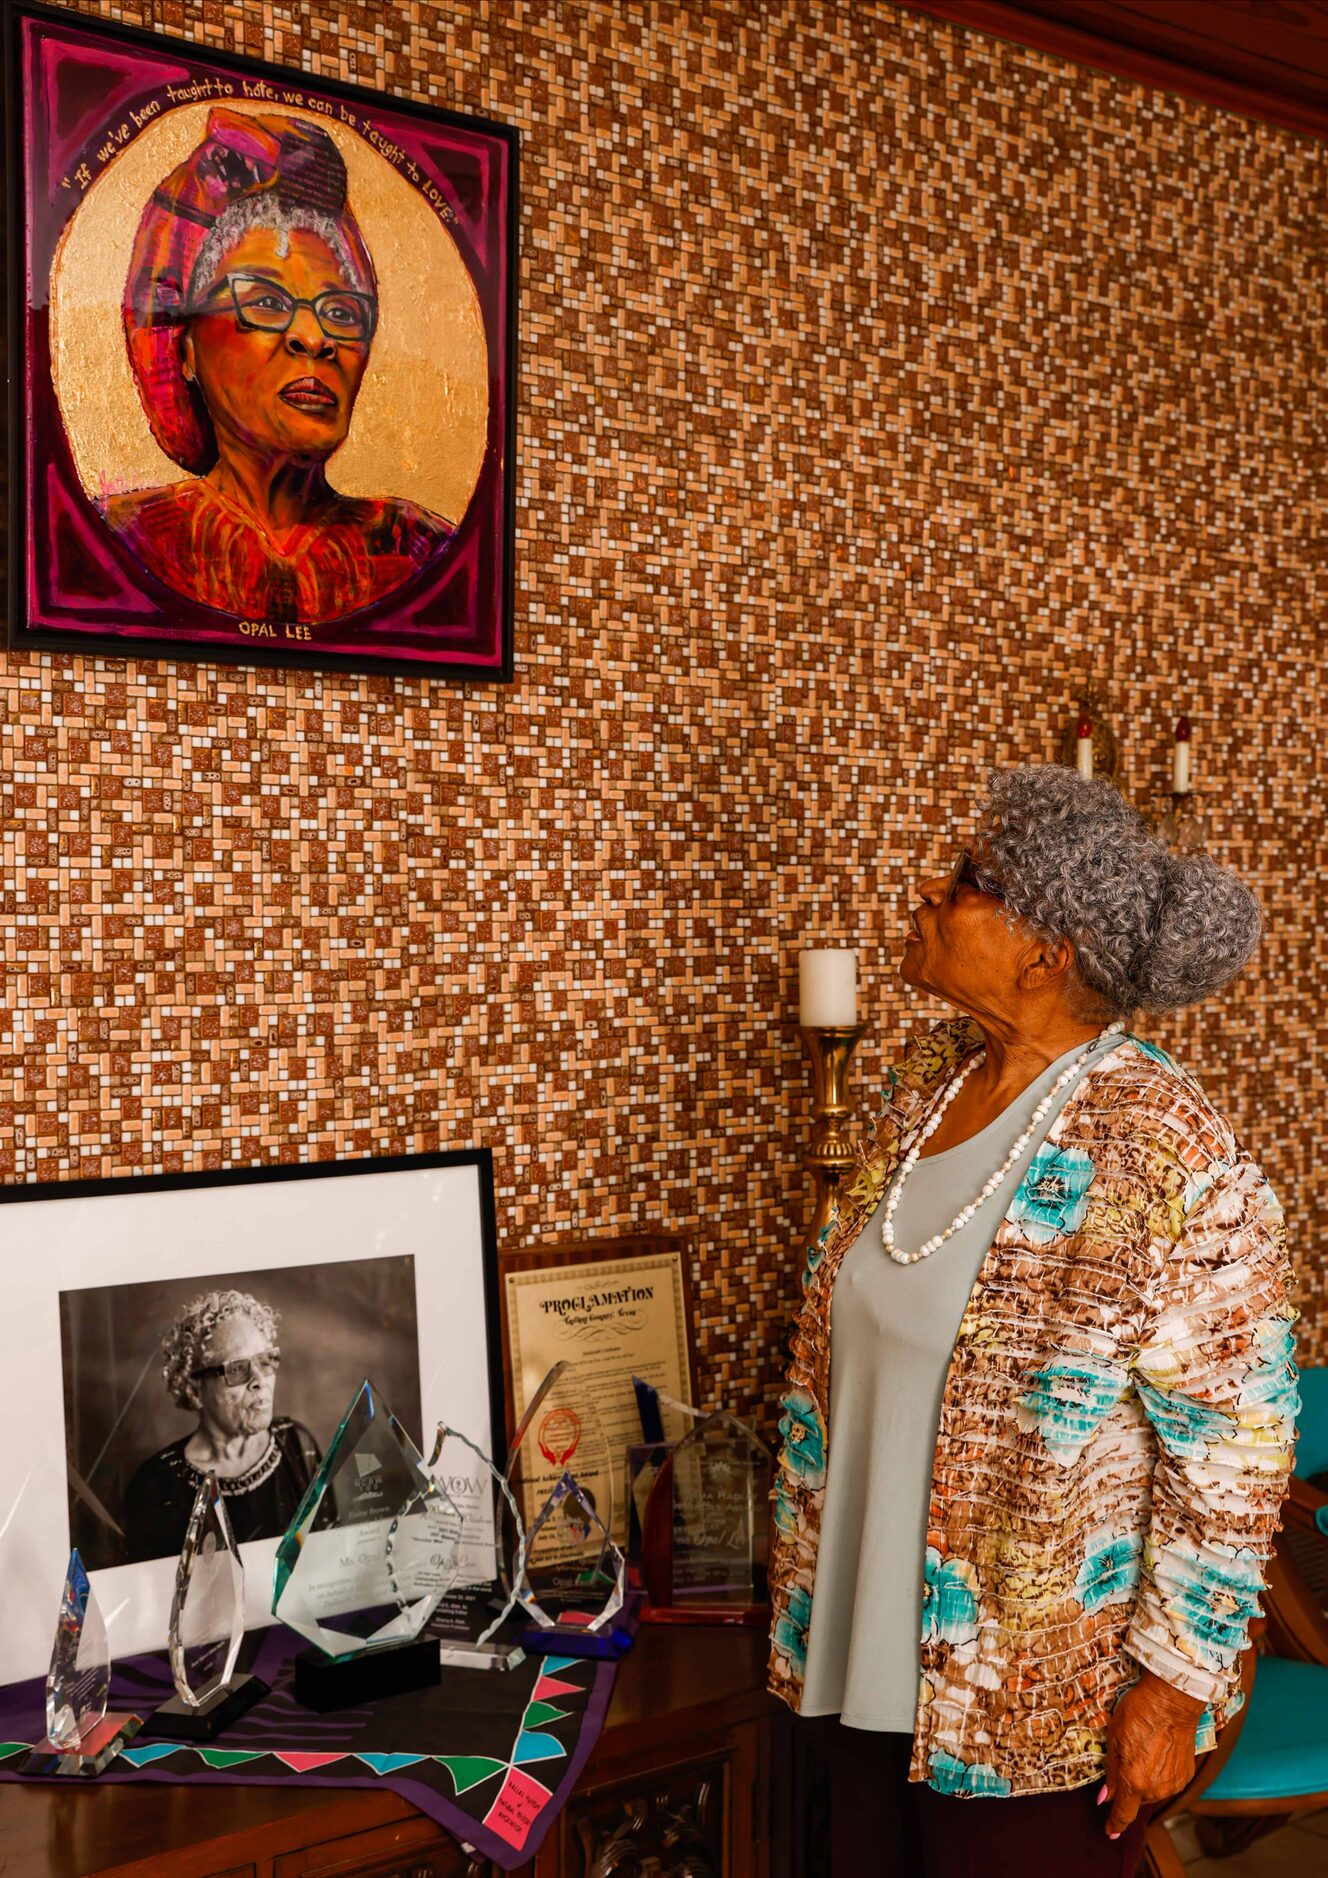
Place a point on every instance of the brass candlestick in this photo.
(830, 1154)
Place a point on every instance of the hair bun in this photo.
(1206, 930)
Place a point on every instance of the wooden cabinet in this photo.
(689, 1779)
(697, 1813)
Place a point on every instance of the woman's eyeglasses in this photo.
(242, 1370)
(262, 306)
(966, 875)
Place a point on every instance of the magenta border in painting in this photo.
(70, 86)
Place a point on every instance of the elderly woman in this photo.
(249, 312)
(1020, 1541)
(220, 1361)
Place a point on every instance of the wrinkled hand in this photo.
(1150, 1748)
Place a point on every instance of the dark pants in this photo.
(881, 1826)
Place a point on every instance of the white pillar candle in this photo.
(1083, 748)
(1180, 760)
(827, 986)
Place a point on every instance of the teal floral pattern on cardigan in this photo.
(1109, 1572)
(1116, 1427)
(1052, 1197)
(1065, 1402)
(804, 1438)
(972, 1778)
(949, 1599)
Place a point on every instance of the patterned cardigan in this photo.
(1115, 1434)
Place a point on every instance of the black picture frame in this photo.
(23, 632)
(30, 1543)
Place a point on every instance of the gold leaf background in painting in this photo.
(421, 419)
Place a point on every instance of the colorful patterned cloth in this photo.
(492, 1758)
(1115, 1437)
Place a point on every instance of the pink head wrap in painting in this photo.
(283, 161)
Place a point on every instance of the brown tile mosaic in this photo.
(877, 377)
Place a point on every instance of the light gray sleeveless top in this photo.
(892, 1330)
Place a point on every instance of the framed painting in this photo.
(156, 1324)
(262, 334)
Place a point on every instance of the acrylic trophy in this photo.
(473, 1621)
(81, 1738)
(705, 1533)
(571, 1579)
(207, 1628)
(371, 1551)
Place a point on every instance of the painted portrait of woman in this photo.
(267, 367)
(249, 312)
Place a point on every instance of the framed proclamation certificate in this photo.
(611, 1309)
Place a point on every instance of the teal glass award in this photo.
(372, 1550)
(81, 1737)
(206, 1628)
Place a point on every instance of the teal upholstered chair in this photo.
(1312, 1444)
(1298, 1605)
(1271, 1760)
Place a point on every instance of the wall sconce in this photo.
(1182, 824)
(1094, 750)
(830, 1031)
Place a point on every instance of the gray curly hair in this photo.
(252, 212)
(192, 1331)
(1151, 930)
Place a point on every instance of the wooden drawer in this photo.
(414, 1848)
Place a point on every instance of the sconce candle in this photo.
(1181, 784)
(1083, 747)
(827, 987)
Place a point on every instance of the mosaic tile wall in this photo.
(877, 378)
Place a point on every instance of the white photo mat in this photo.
(434, 1209)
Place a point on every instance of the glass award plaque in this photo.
(570, 1577)
(372, 1550)
(473, 1622)
(207, 1628)
(81, 1737)
(705, 1539)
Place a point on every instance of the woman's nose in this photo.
(306, 337)
(935, 889)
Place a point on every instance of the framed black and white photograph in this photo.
(166, 1325)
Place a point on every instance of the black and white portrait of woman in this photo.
(243, 1374)
(221, 1360)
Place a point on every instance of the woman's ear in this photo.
(187, 358)
(1045, 961)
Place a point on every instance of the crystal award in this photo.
(570, 1577)
(473, 1620)
(207, 1628)
(81, 1737)
(371, 1551)
(705, 1538)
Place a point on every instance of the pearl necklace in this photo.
(998, 1179)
